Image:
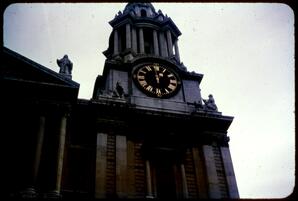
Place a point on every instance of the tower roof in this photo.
(137, 7)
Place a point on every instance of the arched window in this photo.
(143, 13)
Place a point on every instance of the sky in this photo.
(244, 50)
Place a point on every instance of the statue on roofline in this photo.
(65, 66)
(210, 103)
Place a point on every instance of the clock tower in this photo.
(155, 135)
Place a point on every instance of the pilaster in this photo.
(229, 172)
(200, 173)
(121, 166)
(116, 41)
(131, 183)
(101, 165)
(213, 183)
(184, 182)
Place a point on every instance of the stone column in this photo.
(148, 179)
(40, 137)
(101, 166)
(184, 182)
(121, 166)
(155, 43)
(141, 41)
(30, 192)
(60, 155)
(128, 36)
(213, 184)
(162, 45)
(59, 158)
(169, 43)
(116, 43)
(134, 40)
(177, 50)
(229, 172)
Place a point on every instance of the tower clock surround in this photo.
(156, 80)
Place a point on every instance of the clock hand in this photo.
(156, 76)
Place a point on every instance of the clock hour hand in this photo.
(156, 76)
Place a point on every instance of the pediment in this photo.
(19, 68)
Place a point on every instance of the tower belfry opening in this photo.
(143, 13)
(148, 41)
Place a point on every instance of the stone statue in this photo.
(119, 92)
(65, 66)
(210, 103)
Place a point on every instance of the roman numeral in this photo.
(143, 83)
(172, 87)
(158, 92)
(148, 68)
(156, 68)
(170, 75)
(149, 88)
(174, 82)
(141, 77)
(141, 71)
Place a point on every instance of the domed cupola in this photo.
(140, 9)
(139, 31)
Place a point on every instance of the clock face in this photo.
(157, 80)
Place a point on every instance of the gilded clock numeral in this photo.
(174, 82)
(141, 71)
(156, 68)
(170, 75)
(158, 92)
(171, 86)
(141, 77)
(143, 83)
(148, 68)
(164, 70)
(167, 91)
(149, 88)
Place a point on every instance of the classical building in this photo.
(145, 133)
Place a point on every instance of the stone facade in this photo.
(122, 143)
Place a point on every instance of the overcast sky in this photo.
(245, 51)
